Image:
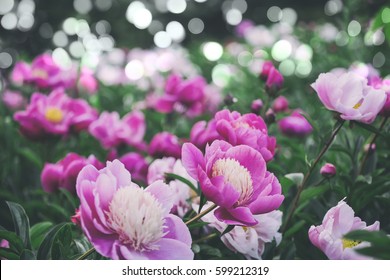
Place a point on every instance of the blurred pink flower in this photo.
(165, 144)
(182, 193)
(87, 82)
(124, 221)
(350, 95)
(328, 170)
(21, 73)
(243, 27)
(249, 241)
(63, 174)
(235, 179)
(14, 100)
(112, 131)
(272, 77)
(295, 125)
(55, 114)
(337, 222)
(137, 165)
(185, 96)
(280, 104)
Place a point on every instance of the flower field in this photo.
(268, 139)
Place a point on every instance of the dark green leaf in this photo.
(369, 128)
(37, 233)
(378, 238)
(172, 176)
(31, 156)
(44, 251)
(62, 243)
(27, 255)
(8, 254)
(21, 223)
(312, 192)
(13, 239)
(228, 229)
(296, 227)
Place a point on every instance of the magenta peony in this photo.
(295, 125)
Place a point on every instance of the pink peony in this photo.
(14, 100)
(280, 104)
(185, 96)
(272, 77)
(328, 170)
(249, 241)
(165, 144)
(21, 73)
(157, 170)
(337, 222)
(87, 82)
(350, 95)
(63, 174)
(55, 114)
(235, 179)
(112, 131)
(295, 125)
(203, 133)
(137, 165)
(124, 221)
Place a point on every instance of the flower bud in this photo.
(270, 116)
(328, 170)
(280, 104)
(256, 106)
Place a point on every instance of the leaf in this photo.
(69, 197)
(294, 229)
(13, 239)
(227, 230)
(21, 223)
(44, 251)
(8, 254)
(62, 243)
(202, 202)
(286, 184)
(37, 233)
(27, 255)
(209, 250)
(310, 193)
(184, 180)
(378, 238)
(32, 156)
(370, 128)
(297, 178)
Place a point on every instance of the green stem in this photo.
(371, 144)
(201, 214)
(207, 237)
(87, 254)
(308, 174)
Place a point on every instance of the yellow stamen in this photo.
(54, 115)
(39, 73)
(348, 243)
(357, 105)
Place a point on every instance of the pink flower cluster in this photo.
(237, 129)
(54, 114)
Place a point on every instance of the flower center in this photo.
(348, 243)
(40, 73)
(54, 115)
(236, 175)
(136, 216)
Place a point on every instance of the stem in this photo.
(87, 254)
(207, 237)
(201, 214)
(371, 144)
(308, 174)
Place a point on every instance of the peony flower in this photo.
(350, 95)
(248, 129)
(75, 219)
(55, 114)
(384, 85)
(137, 165)
(157, 170)
(187, 97)
(272, 77)
(256, 106)
(235, 179)
(249, 241)
(21, 73)
(165, 144)
(112, 131)
(87, 82)
(339, 221)
(295, 125)
(203, 133)
(124, 221)
(14, 100)
(328, 170)
(63, 174)
(280, 104)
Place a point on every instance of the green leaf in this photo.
(13, 239)
(209, 250)
(69, 197)
(203, 201)
(369, 128)
(37, 233)
(62, 243)
(297, 178)
(31, 156)
(21, 223)
(8, 254)
(295, 228)
(227, 230)
(310, 193)
(27, 255)
(44, 251)
(170, 176)
(378, 238)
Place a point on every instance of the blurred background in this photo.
(30, 27)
